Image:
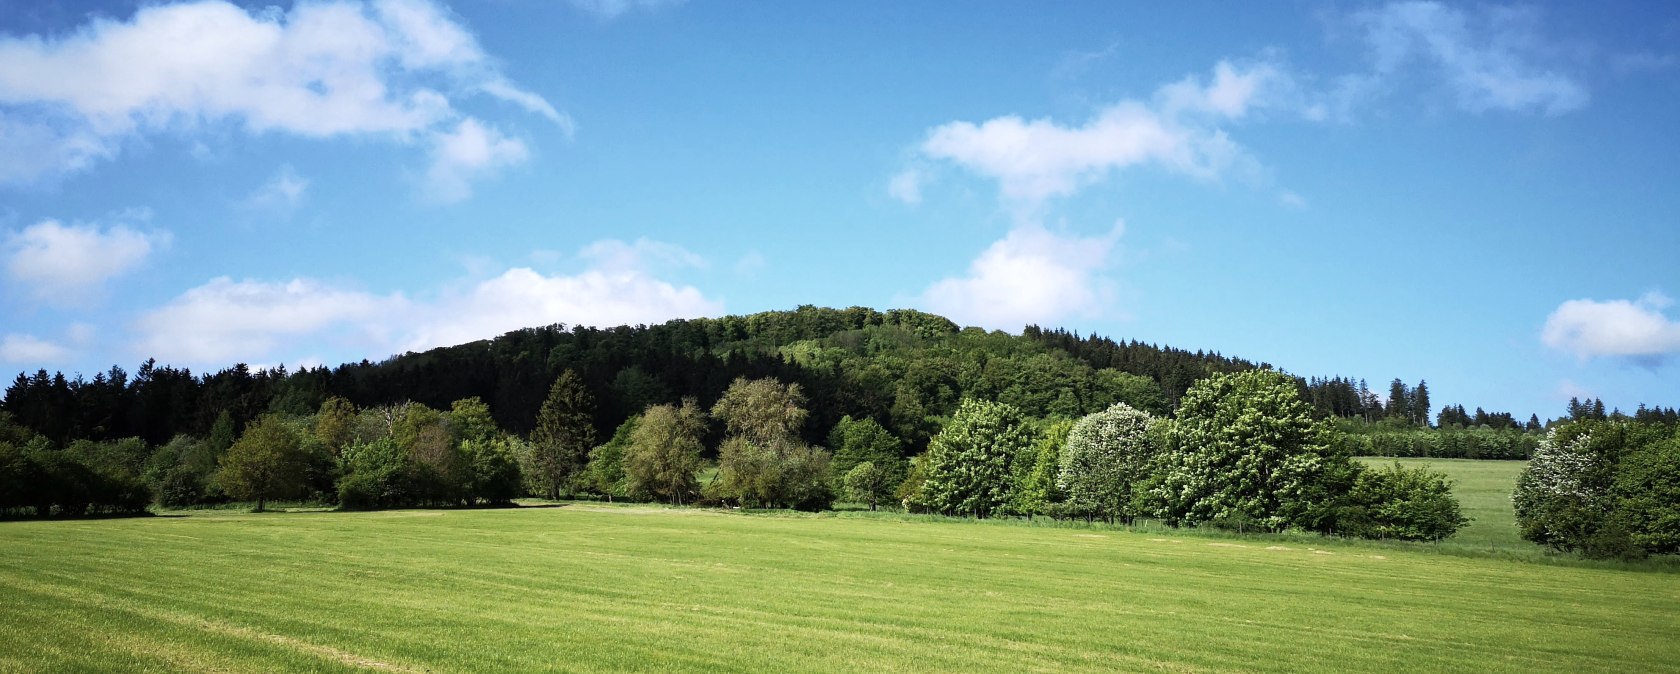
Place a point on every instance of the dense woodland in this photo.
(873, 407)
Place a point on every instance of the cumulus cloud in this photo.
(31, 350)
(251, 320)
(59, 262)
(1178, 130)
(521, 297)
(226, 320)
(1489, 59)
(322, 69)
(1635, 329)
(1032, 275)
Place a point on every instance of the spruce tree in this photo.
(565, 432)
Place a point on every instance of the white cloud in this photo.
(607, 10)
(28, 349)
(1489, 59)
(750, 263)
(522, 297)
(1618, 328)
(225, 321)
(1030, 276)
(281, 193)
(643, 255)
(1289, 199)
(906, 186)
(71, 262)
(320, 70)
(1178, 131)
(471, 151)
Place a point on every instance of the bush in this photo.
(1246, 449)
(1413, 504)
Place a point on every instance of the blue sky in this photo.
(1482, 196)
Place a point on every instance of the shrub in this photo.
(1414, 504)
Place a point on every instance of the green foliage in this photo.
(1414, 504)
(266, 462)
(1601, 487)
(856, 441)
(911, 492)
(605, 473)
(1399, 438)
(1035, 491)
(493, 467)
(1244, 451)
(664, 453)
(565, 433)
(223, 433)
(761, 410)
(1136, 391)
(335, 423)
(781, 473)
(763, 463)
(865, 483)
(1107, 459)
(1647, 491)
(377, 474)
(969, 464)
(182, 473)
(471, 420)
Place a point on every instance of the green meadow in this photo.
(596, 587)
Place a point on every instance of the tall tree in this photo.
(1399, 400)
(266, 462)
(565, 433)
(664, 453)
(1420, 404)
(970, 462)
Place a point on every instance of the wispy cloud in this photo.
(607, 10)
(281, 193)
(1489, 59)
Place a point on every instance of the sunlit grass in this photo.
(593, 587)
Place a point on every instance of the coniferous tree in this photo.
(565, 433)
(1420, 404)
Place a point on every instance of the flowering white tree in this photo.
(1108, 455)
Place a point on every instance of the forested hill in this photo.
(905, 368)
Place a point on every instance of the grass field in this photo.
(589, 587)
(1483, 489)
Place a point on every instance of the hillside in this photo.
(906, 369)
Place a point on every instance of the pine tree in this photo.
(1420, 404)
(1399, 400)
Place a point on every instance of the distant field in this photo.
(1484, 494)
(593, 588)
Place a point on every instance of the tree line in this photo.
(796, 408)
